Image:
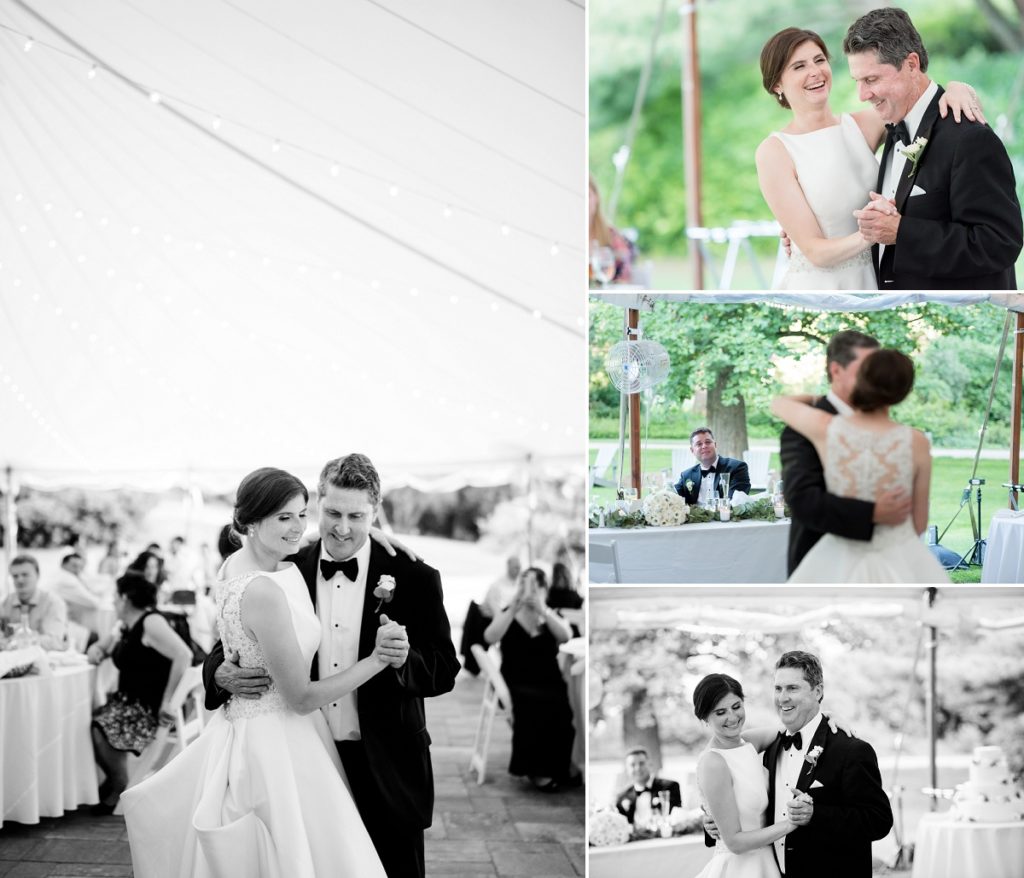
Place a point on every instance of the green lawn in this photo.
(949, 478)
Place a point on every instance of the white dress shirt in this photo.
(707, 485)
(339, 604)
(787, 772)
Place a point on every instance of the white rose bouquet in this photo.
(608, 828)
(665, 508)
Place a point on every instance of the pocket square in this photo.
(917, 190)
(817, 785)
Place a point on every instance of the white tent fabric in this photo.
(234, 235)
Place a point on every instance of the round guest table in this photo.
(46, 760)
(1004, 550)
(946, 848)
(712, 552)
(681, 857)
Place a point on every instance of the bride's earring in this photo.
(778, 94)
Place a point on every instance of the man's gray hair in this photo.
(888, 32)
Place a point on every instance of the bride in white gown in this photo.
(865, 454)
(821, 167)
(733, 786)
(262, 792)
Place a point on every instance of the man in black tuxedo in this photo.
(815, 511)
(380, 729)
(658, 791)
(702, 481)
(957, 223)
(843, 807)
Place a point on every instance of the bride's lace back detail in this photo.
(863, 463)
(250, 655)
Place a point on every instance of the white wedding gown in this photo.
(863, 463)
(750, 787)
(836, 170)
(261, 793)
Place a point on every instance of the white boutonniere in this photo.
(689, 484)
(913, 152)
(812, 755)
(384, 591)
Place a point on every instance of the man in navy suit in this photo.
(653, 791)
(703, 481)
(380, 729)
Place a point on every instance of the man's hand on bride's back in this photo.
(710, 827)
(892, 507)
(239, 681)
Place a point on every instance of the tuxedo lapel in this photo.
(906, 182)
(808, 769)
(308, 562)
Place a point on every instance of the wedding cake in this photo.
(989, 796)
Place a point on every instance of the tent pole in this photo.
(10, 527)
(1017, 385)
(634, 414)
(929, 707)
(691, 136)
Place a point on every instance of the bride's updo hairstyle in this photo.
(712, 689)
(262, 493)
(776, 54)
(884, 378)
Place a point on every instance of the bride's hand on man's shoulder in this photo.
(961, 98)
(837, 725)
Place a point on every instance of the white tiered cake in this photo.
(989, 796)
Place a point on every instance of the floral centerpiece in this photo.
(607, 829)
(664, 508)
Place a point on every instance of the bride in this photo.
(262, 792)
(731, 778)
(865, 454)
(821, 167)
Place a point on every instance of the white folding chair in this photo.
(497, 701)
(682, 460)
(605, 458)
(606, 554)
(576, 617)
(757, 460)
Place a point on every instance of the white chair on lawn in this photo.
(172, 739)
(497, 701)
(682, 460)
(757, 460)
(605, 458)
(606, 554)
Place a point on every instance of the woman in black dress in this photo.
(150, 658)
(530, 633)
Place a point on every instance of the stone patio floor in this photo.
(500, 828)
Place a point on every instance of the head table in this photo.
(712, 552)
(948, 849)
(46, 760)
(681, 857)
(1004, 555)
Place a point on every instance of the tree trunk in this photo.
(636, 735)
(727, 422)
(1009, 32)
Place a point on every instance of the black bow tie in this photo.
(350, 568)
(708, 472)
(791, 740)
(899, 131)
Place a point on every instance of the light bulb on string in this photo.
(447, 211)
(335, 170)
(505, 229)
(393, 190)
(79, 214)
(48, 206)
(454, 299)
(554, 249)
(92, 72)
(29, 43)
(215, 123)
(537, 314)
(154, 97)
(275, 146)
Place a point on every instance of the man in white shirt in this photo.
(503, 589)
(958, 222)
(82, 602)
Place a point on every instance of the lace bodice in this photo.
(250, 655)
(749, 786)
(863, 463)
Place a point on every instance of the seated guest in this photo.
(150, 658)
(603, 234)
(645, 788)
(564, 592)
(82, 602)
(110, 564)
(46, 612)
(700, 483)
(501, 592)
(149, 565)
(542, 730)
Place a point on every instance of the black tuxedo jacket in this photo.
(850, 807)
(392, 721)
(739, 479)
(625, 802)
(815, 511)
(965, 231)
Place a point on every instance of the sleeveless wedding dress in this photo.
(261, 793)
(750, 787)
(862, 463)
(836, 170)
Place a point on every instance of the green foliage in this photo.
(48, 518)
(736, 113)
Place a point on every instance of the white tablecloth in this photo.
(947, 849)
(1004, 554)
(714, 552)
(46, 760)
(681, 857)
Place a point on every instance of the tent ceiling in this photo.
(376, 248)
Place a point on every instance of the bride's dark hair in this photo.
(262, 493)
(776, 53)
(884, 378)
(712, 689)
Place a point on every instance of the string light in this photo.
(154, 97)
(29, 43)
(92, 72)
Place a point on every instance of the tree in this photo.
(1007, 26)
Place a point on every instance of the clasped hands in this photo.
(878, 221)
(392, 644)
